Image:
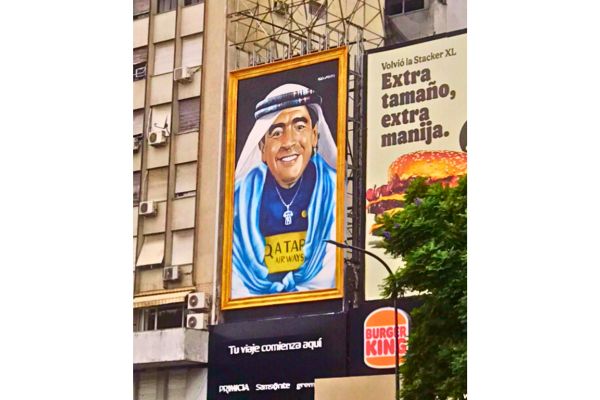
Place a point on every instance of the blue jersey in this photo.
(272, 208)
(270, 257)
(285, 238)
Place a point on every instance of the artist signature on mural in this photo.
(322, 78)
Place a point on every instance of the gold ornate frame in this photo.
(227, 303)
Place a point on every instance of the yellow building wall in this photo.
(380, 387)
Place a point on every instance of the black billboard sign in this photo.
(275, 359)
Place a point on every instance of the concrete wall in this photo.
(211, 143)
(196, 384)
(456, 15)
(414, 25)
(434, 19)
(177, 345)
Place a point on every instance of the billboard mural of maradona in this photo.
(285, 181)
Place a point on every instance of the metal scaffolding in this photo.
(269, 30)
(264, 31)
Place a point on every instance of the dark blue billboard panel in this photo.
(275, 359)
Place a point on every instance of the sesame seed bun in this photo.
(432, 164)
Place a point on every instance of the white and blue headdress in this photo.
(267, 110)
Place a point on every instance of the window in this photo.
(163, 57)
(317, 9)
(157, 183)
(137, 179)
(139, 71)
(160, 117)
(186, 147)
(153, 250)
(138, 122)
(191, 52)
(177, 384)
(134, 238)
(140, 61)
(185, 179)
(166, 5)
(183, 247)
(191, 2)
(184, 213)
(189, 114)
(164, 317)
(138, 141)
(164, 384)
(140, 55)
(140, 8)
(393, 7)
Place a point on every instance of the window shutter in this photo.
(134, 250)
(176, 384)
(191, 52)
(163, 57)
(138, 122)
(184, 213)
(157, 184)
(147, 389)
(185, 177)
(153, 250)
(189, 114)
(183, 247)
(140, 55)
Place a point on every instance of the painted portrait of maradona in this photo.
(286, 186)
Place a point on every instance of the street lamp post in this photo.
(395, 299)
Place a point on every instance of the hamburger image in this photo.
(441, 166)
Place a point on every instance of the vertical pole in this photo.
(396, 367)
(395, 299)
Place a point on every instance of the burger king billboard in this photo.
(379, 332)
(416, 112)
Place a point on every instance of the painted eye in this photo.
(275, 133)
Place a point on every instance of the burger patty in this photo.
(398, 186)
(384, 205)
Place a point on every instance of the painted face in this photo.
(288, 145)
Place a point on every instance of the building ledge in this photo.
(169, 347)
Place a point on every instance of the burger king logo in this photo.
(379, 343)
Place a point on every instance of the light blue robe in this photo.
(248, 266)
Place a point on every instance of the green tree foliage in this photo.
(431, 237)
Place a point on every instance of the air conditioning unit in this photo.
(171, 273)
(148, 208)
(198, 301)
(197, 321)
(281, 7)
(158, 137)
(139, 71)
(182, 75)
